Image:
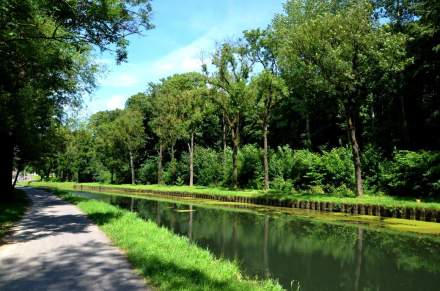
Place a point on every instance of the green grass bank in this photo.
(11, 212)
(166, 260)
(386, 206)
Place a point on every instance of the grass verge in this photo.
(166, 260)
(387, 201)
(11, 212)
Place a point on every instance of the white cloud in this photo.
(129, 78)
(119, 79)
(115, 102)
(185, 59)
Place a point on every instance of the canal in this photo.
(294, 250)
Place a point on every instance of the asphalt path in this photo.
(55, 247)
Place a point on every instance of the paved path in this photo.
(55, 247)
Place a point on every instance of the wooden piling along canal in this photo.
(422, 214)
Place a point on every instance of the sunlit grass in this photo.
(166, 260)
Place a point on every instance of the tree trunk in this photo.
(356, 156)
(173, 165)
(133, 181)
(235, 145)
(224, 150)
(111, 176)
(265, 159)
(308, 142)
(6, 166)
(159, 165)
(224, 141)
(191, 160)
(16, 177)
(405, 132)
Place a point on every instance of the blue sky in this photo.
(184, 31)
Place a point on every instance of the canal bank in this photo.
(316, 254)
(421, 213)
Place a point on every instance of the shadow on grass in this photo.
(171, 276)
(11, 211)
(101, 218)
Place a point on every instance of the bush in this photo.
(280, 185)
(308, 170)
(373, 163)
(250, 167)
(148, 171)
(341, 191)
(281, 163)
(336, 168)
(208, 166)
(413, 173)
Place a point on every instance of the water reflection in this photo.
(321, 256)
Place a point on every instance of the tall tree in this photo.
(230, 81)
(45, 62)
(351, 52)
(130, 130)
(268, 86)
(109, 150)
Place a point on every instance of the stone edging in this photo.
(422, 214)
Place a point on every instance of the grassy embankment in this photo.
(387, 201)
(11, 212)
(166, 260)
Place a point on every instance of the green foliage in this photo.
(279, 185)
(208, 166)
(46, 65)
(413, 174)
(148, 171)
(310, 171)
(250, 170)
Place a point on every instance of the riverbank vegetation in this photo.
(11, 211)
(168, 261)
(386, 201)
(332, 99)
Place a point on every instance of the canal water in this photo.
(296, 250)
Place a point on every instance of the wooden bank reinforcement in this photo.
(422, 214)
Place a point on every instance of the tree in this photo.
(81, 153)
(129, 129)
(351, 53)
(269, 88)
(188, 92)
(109, 150)
(45, 63)
(230, 82)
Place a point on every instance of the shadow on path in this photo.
(55, 247)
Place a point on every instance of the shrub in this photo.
(341, 190)
(305, 171)
(309, 170)
(373, 163)
(281, 163)
(148, 171)
(413, 173)
(208, 166)
(250, 170)
(280, 185)
(336, 167)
